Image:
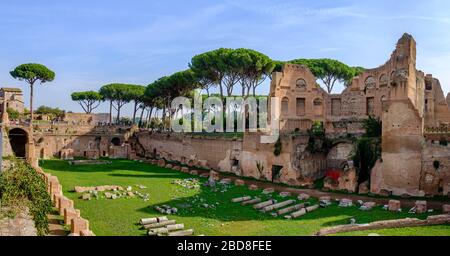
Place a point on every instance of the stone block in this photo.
(394, 205)
(446, 209)
(185, 170)
(268, 191)
(86, 196)
(253, 187)
(86, 233)
(161, 162)
(239, 182)
(56, 200)
(177, 168)
(214, 175)
(194, 172)
(69, 214)
(225, 181)
(303, 196)
(64, 203)
(421, 207)
(169, 166)
(78, 224)
(285, 194)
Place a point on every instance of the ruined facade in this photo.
(415, 115)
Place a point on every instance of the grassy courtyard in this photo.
(221, 217)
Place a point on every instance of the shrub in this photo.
(21, 184)
(278, 147)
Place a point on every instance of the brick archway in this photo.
(18, 139)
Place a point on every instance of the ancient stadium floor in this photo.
(110, 217)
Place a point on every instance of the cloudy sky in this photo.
(91, 43)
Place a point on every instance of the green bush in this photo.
(12, 113)
(21, 184)
(278, 147)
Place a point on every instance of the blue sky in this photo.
(92, 43)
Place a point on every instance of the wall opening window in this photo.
(300, 106)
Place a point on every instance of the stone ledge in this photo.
(386, 224)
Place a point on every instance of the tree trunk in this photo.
(134, 112)
(31, 105)
(118, 113)
(142, 115)
(110, 112)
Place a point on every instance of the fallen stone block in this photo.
(290, 209)
(177, 168)
(204, 175)
(156, 231)
(325, 198)
(86, 196)
(239, 182)
(169, 166)
(367, 206)
(394, 205)
(160, 224)
(297, 214)
(161, 162)
(446, 209)
(187, 232)
(225, 181)
(303, 197)
(175, 227)
(264, 204)
(268, 191)
(185, 170)
(213, 175)
(345, 203)
(285, 194)
(421, 207)
(312, 208)
(194, 172)
(241, 199)
(253, 187)
(278, 205)
(251, 202)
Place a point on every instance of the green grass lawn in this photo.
(120, 216)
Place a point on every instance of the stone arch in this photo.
(301, 84)
(285, 106)
(370, 83)
(384, 80)
(115, 141)
(18, 139)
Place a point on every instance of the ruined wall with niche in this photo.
(83, 141)
(435, 175)
(402, 141)
(182, 148)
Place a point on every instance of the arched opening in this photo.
(115, 141)
(18, 139)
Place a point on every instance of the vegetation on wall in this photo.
(278, 147)
(12, 113)
(318, 142)
(368, 148)
(21, 185)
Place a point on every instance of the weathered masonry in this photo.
(415, 115)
